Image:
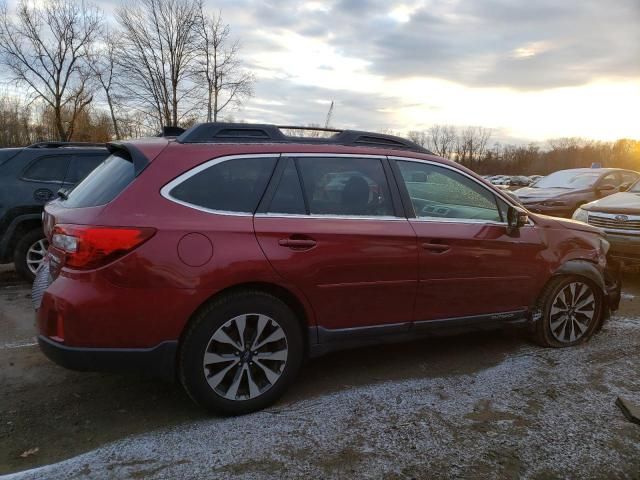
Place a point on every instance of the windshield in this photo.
(635, 188)
(568, 179)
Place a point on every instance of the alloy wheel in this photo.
(572, 312)
(245, 357)
(36, 254)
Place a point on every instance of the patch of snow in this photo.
(536, 412)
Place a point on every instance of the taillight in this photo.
(89, 247)
(47, 224)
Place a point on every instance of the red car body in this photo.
(349, 281)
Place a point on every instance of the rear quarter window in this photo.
(233, 185)
(103, 184)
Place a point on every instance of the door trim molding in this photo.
(324, 340)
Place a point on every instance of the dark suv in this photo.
(30, 177)
(230, 253)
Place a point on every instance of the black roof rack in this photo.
(218, 132)
(171, 131)
(65, 144)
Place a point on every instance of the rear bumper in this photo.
(158, 361)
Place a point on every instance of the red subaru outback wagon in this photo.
(227, 255)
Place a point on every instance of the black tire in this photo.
(205, 324)
(543, 334)
(21, 250)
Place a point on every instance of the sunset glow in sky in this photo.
(530, 70)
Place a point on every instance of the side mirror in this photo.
(516, 218)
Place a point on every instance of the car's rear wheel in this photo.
(241, 353)
(29, 253)
(571, 309)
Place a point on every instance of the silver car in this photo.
(619, 216)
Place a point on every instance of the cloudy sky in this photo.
(530, 69)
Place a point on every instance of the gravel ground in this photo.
(472, 406)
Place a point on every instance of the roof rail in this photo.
(219, 132)
(65, 144)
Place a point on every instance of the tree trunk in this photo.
(62, 133)
(114, 121)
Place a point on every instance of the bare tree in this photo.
(156, 53)
(441, 140)
(101, 59)
(471, 144)
(44, 48)
(217, 68)
(418, 136)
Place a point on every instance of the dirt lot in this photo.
(473, 406)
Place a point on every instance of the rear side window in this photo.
(52, 168)
(82, 166)
(234, 185)
(103, 184)
(347, 186)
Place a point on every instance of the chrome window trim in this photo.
(457, 220)
(385, 218)
(332, 155)
(164, 191)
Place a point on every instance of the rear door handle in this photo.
(297, 243)
(436, 247)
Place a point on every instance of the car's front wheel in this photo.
(241, 353)
(571, 308)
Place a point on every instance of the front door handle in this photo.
(297, 243)
(436, 247)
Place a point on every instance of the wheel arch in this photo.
(301, 311)
(20, 226)
(582, 268)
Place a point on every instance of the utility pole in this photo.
(329, 113)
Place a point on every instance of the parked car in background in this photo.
(30, 177)
(253, 250)
(560, 193)
(519, 181)
(619, 216)
(535, 178)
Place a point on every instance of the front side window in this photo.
(438, 192)
(346, 186)
(234, 185)
(610, 179)
(48, 169)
